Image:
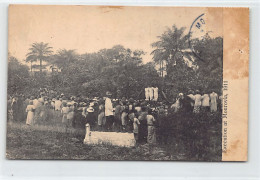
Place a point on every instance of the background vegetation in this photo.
(174, 68)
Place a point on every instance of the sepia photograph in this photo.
(123, 83)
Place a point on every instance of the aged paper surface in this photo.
(127, 83)
(235, 77)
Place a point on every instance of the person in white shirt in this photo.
(197, 102)
(41, 99)
(58, 104)
(35, 103)
(109, 112)
(205, 102)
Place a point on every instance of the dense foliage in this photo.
(18, 76)
(121, 70)
(199, 67)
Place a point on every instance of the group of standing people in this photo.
(141, 117)
(197, 102)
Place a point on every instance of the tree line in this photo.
(174, 68)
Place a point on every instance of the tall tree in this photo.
(172, 45)
(39, 52)
(184, 70)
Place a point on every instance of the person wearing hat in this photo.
(78, 119)
(109, 111)
(151, 136)
(90, 117)
(117, 116)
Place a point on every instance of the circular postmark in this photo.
(197, 31)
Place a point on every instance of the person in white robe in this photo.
(109, 111)
(30, 109)
(58, 106)
(146, 94)
(197, 102)
(155, 93)
(213, 101)
(205, 102)
(151, 94)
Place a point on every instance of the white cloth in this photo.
(205, 100)
(58, 105)
(151, 93)
(146, 94)
(155, 93)
(108, 107)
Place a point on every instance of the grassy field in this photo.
(24, 142)
(52, 142)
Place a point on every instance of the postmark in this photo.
(196, 33)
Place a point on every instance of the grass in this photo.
(25, 142)
(188, 141)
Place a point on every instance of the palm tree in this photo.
(39, 51)
(172, 45)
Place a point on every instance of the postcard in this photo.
(127, 83)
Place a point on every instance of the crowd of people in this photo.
(141, 117)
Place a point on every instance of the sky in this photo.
(91, 28)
